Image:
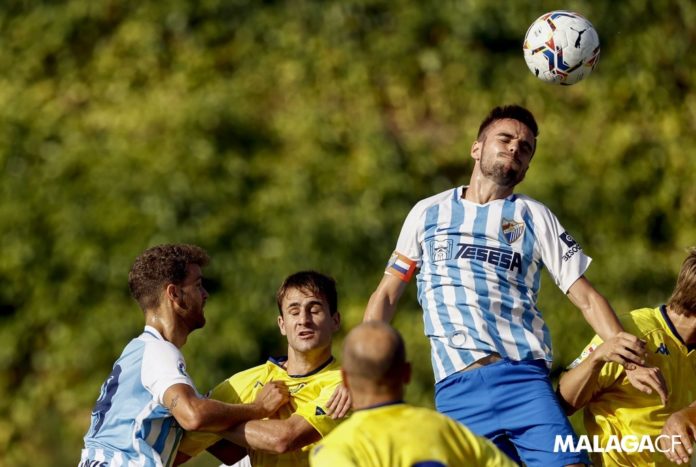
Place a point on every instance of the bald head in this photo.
(374, 354)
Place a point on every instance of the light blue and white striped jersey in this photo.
(479, 275)
(130, 425)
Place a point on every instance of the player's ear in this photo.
(173, 294)
(336, 318)
(407, 373)
(476, 150)
(281, 325)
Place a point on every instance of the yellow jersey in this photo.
(400, 435)
(617, 409)
(309, 394)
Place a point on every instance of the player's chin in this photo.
(199, 323)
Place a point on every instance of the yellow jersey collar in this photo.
(673, 330)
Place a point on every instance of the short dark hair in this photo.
(161, 265)
(315, 282)
(514, 112)
(683, 299)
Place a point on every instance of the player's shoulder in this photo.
(435, 424)
(425, 203)
(642, 321)
(259, 372)
(154, 347)
(241, 384)
(426, 418)
(426, 415)
(532, 205)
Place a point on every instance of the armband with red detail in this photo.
(401, 266)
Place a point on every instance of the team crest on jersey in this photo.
(512, 230)
(441, 250)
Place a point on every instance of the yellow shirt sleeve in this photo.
(194, 442)
(315, 412)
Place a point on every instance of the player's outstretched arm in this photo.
(382, 304)
(199, 414)
(601, 317)
(578, 385)
(681, 424)
(275, 436)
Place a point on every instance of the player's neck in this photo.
(482, 191)
(302, 363)
(685, 326)
(168, 327)
(365, 399)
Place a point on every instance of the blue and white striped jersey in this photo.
(479, 275)
(130, 425)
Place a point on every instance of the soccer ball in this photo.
(561, 47)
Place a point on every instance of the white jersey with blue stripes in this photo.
(130, 424)
(479, 275)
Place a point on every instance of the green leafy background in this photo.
(290, 135)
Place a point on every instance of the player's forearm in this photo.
(276, 436)
(382, 303)
(266, 435)
(601, 317)
(380, 308)
(595, 308)
(212, 415)
(578, 385)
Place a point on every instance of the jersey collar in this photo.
(458, 195)
(673, 330)
(280, 361)
(153, 332)
(381, 404)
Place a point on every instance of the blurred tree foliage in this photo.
(290, 135)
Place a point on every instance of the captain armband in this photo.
(401, 266)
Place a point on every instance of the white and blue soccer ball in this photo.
(561, 47)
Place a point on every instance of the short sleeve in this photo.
(195, 442)
(407, 256)
(315, 412)
(560, 252)
(163, 366)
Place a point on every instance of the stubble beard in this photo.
(500, 173)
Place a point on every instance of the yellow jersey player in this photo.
(626, 422)
(307, 302)
(385, 431)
